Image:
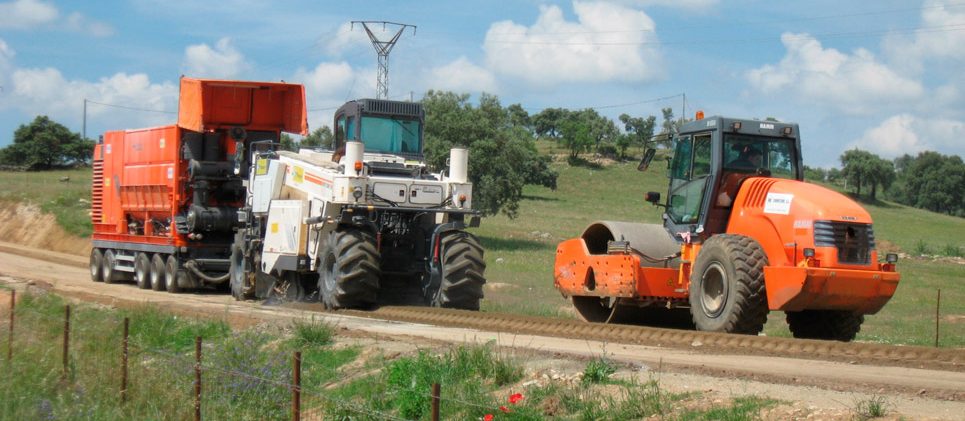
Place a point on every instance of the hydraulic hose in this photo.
(193, 267)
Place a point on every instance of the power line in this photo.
(126, 107)
(600, 107)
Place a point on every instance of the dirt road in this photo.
(818, 386)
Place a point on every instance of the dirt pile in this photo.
(26, 224)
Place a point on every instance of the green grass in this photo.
(520, 252)
(68, 201)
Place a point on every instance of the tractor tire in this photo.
(238, 278)
(157, 272)
(174, 275)
(463, 271)
(727, 286)
(832, 325)
(142, 271)
(349, 273)
(96, 261)
(108, 273)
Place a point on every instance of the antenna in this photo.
(383, 48)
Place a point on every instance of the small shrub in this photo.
(598, 370)
(952, 250)
(313, 333)
(921, 248)
(873, 407)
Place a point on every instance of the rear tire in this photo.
(142, 271)
(238, 279)
(835, 325)
(96, 261)
(173, 274)
(727, 286)
(350, 270)
(463, 270)
(157, 272)
(108, 274)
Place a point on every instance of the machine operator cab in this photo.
(392, 132)
(712, 157)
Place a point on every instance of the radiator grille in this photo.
(854, 242)
(97, 192)
(379, 106)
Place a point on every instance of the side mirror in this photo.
(652, 197)
(647, 157)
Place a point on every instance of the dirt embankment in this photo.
(26, 224)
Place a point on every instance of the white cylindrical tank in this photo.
(458, 165)
(354, 152)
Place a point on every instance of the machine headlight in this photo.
(357, 193)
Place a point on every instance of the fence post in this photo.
(66, 339)
(124, 362)
(197, 378)
(297, 386)
(13, 303)
(435, 401)
(938, 306)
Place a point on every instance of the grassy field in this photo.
(520, 252)
(247, 375)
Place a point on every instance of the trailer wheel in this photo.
(96, 260)
(142, 271)
(463, 271)
(173, 275)
(727, 286)
(157, 272)
(836, 325)
(108, 273)
(350, 270)
(238, 279)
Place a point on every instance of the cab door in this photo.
(690, 172)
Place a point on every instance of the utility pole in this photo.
(83, 130)
(383, 48)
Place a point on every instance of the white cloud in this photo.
(854, 83)
(907, 134)
(80, 23)
(349, 38)
(45, 91)
(223, 61)
(608, 42)
(328, 85)
(680, 4)
(462, 75)
(25, 14)
(941, 37)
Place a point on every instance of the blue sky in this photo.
(886, 76)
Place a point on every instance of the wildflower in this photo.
(515, 398)
(504, 409)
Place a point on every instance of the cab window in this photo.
(689, 170)
(744, 153)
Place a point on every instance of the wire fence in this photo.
(183, 381)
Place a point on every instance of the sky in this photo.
(886, 76)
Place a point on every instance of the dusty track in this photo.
(906, 370)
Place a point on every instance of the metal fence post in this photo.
(297, 386)
(13, 304)
(66, 339)
(197, 378)
(938, 306)
(435, 401)
(124, 361)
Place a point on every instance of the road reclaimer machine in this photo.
(165, 199)
(365, 223)
(742, 235)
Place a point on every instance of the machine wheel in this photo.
(239, 288)
(173, 274)
(727, 286)
(142, 271)
(96, 260)
(463, 271)
(290, 288)
(108, 274)
(593, 309)
(836, 325)
(350, 270)
(157, 272)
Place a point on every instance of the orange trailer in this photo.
(743, 234)
(165, 199)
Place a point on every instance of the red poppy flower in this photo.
(504, 409)
(488, 417)
(515, 398)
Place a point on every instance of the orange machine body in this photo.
(781, 215)
(142, 178)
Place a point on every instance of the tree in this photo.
(931, 181)
(518, 117)
(287, 143)
(640, 128)
(502, 155)
(44, 144)
(320, 138)
(575, 136)
(863, 168)
(546, 122)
